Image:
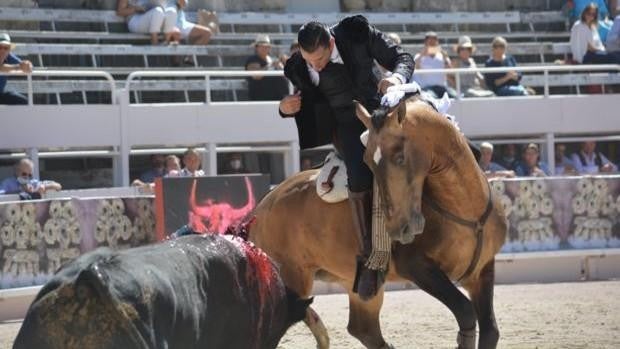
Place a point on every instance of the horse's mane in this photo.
(379, 115)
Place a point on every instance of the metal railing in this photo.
(65, 73)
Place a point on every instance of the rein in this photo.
(477, 227)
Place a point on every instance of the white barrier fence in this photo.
(122, 128)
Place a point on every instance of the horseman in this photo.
(333, 68)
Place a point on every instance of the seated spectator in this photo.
(234, 164)
(490, 168)
(157, 169)
(173, 164)
(586, 44)
(471, 84)
(150, 17)
(11, 63)
(503, 84)
(24, 184)
(588, 161)
(509, 159)
(613, 38)
(563, 165)
(603, 15)
(192, 161)
(293, 48)
(433, 57)
(195, 34)
(265, 88)
(530, 165)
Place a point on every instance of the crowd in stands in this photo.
(582, 162)
(25, 184)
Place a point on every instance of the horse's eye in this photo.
(399, 159)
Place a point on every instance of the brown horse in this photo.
(430, 183)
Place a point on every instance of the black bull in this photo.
(193, 292)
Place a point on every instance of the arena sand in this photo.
(561, 315)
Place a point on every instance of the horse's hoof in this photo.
(466, 339)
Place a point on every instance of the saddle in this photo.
(331, 182)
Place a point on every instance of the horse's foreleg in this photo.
(481, 293)
(364, 320)
(316, 326)
(425, 273)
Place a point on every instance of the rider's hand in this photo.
(387, 82)
(291, 104)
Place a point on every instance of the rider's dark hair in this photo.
(313, 35)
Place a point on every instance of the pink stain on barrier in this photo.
(211, 216)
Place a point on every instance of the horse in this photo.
(445, 222)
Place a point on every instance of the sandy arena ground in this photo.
(562, 315)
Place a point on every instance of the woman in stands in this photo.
(585, 42)
(150, 17)
(195, 34)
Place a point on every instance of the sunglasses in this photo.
(26, 174)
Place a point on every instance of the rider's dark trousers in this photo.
(348, 131)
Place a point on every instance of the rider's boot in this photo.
(366, 280)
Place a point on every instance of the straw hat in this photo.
(5, 40)
(464, 42)
(262, 39)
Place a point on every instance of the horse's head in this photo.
(398, 152)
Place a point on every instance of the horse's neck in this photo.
(457, 184)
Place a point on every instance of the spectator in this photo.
(531, 166)
(293, 48)
(11, 63)
(191, 160)
(150, 17)
(503, 84)
(306, 163)
(587, 160)
(433, 57)
(195, 34)
(24, 184)
(173, 164)
(563, 165)
(490, 168)
(157, 169)
(613, 38)
(472, 83)
(265, 88)
(234, 164)
(509, 160)
(585, 42)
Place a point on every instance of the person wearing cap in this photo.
(490, 168)
(9, 62)
(265, 88)
(471, 84)
(333, 68)
(503, 84)
(530, 165)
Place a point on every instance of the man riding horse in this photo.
(333, 68)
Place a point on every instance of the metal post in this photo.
(125, 147)
(458, 85)
(293, 156)
(546, 76)
(212, 158)
(30, 92)
(33, 154)
(550, 146)
(207, 89)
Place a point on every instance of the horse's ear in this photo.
(363, 115)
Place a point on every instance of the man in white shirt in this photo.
(589, 161)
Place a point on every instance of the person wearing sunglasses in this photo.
(24, 184)
(11, 63)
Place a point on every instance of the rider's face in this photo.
(320, 57)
